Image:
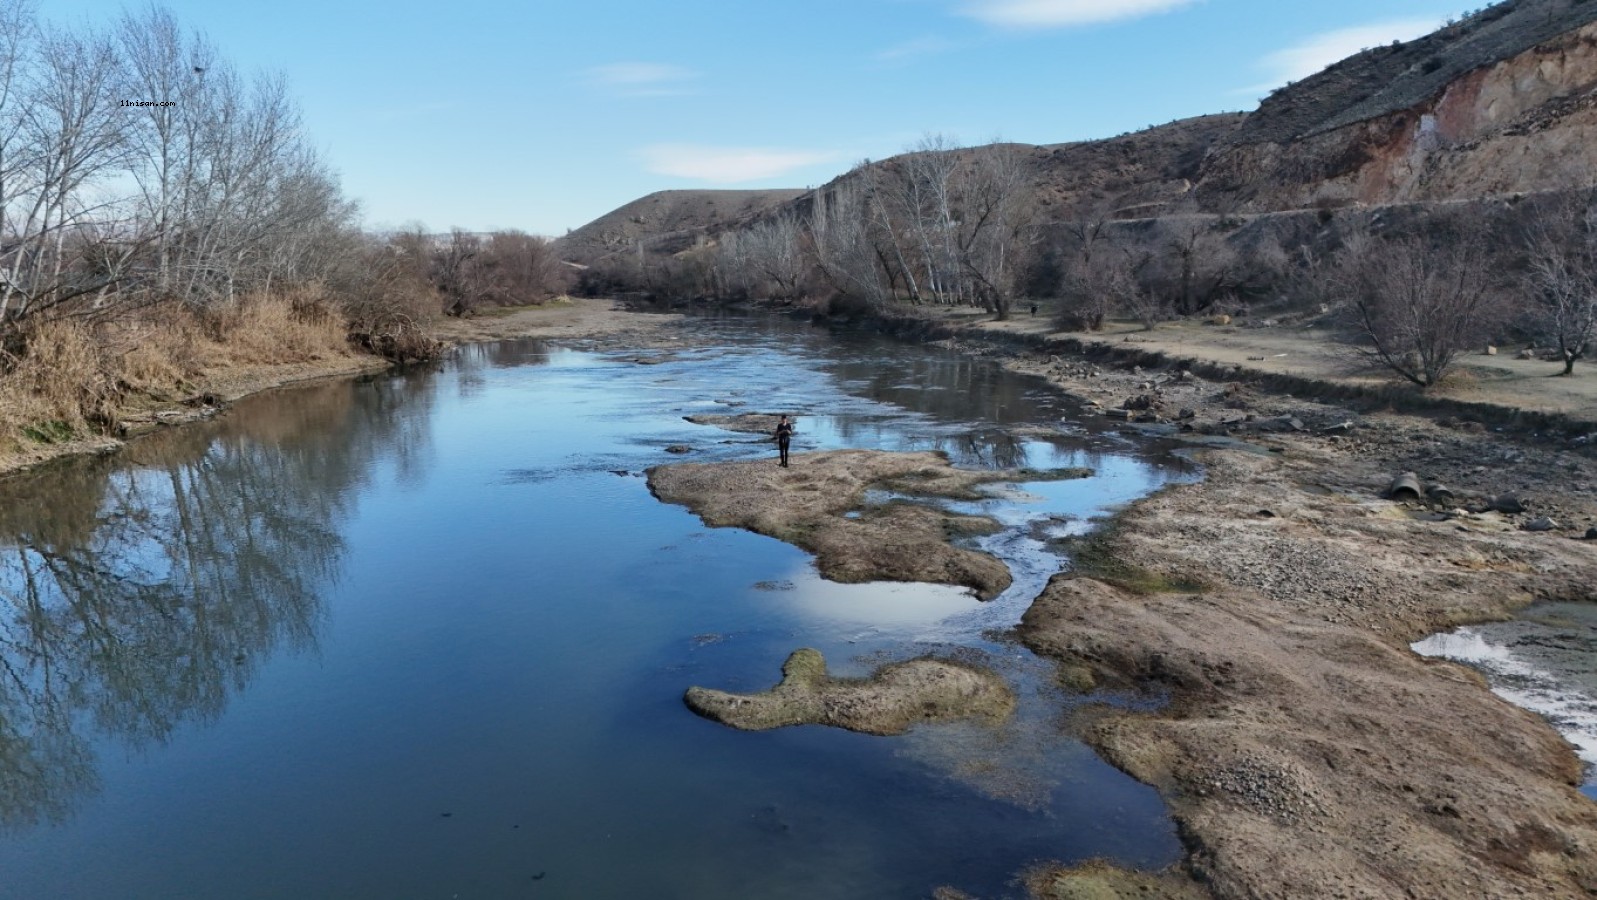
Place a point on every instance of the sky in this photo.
(542, 115)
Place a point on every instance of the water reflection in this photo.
(948, 386)
(139, 591)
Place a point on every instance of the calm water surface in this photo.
(426, 635)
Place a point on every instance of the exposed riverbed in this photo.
(427, 634)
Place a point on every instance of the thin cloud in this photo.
(923, 46)
(1064, 13)
(643, 79)
(727, 165)
(1307, 57)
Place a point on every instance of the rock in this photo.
(679, 449)
(1186, 413)
(892, 699)
(1125, 414)
(1526, 354)
(1281, 424)
(1140, 402)
(1508, 504)
(1490, 350)
(1541, 523)
(1591, 533)
(1219, 320)
(744, 423)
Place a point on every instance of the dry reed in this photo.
(71, 376)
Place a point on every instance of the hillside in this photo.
(1501, 103)
(666, 221)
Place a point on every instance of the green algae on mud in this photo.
(805, 505)
(892, 699)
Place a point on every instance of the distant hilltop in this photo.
(668, 222)
(1503, 101)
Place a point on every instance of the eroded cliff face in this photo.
(1525, 123)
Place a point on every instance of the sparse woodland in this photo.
(163, 216)
(1411, 287)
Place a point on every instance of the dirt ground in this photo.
(805, 506)
(1500, 380)
(568, 317)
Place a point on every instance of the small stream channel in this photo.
(426, 635)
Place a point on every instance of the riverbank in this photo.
(1498, 390)
(201, 398)
(231, 379)
(1304, 750)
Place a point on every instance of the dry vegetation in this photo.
(147, 250)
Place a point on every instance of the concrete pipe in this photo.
(1440, 495)
(1405, 487)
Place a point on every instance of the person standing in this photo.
(784, 437)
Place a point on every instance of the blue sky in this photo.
(543, 115)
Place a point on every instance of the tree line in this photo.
(162, 212)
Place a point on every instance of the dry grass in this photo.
(298, 326)
(60, 386)
(72, 377)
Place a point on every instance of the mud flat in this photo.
(570, 318)
(806, 504)
(892, 699)
(1304, 750)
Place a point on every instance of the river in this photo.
(425, 634)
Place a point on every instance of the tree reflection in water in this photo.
(138, 591)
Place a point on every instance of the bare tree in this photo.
(166, 70)
(1090, 265)
(995, 217)
(61, 136)
(1563, 277)
(1418, 303)
(1203, 266)
(919, 190)
(839, 235)
(773, 250)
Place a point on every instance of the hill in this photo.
(666, 222)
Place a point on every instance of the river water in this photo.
(426, 635)
(1545, 659)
